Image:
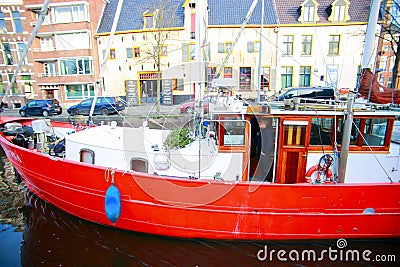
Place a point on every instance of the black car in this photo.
(307, 92)
(41, 107)
(105, 105)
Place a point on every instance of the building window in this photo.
(21, 48)
(305, 76)
(358, 74)
(192, 51)
(2, 89)
(46, 44)
(308, 11)
(339, 11)
(224, 47)
(334, 41)
(288, 45)
(306, 45)
(75, 66)
(17, 21)
(390, 82)
(149, 21)
(228, 47)
(129, 52)
(245, 79)
(7, 54)
(163, 51)
(72, 41)
(3, 25)
(253, 46)
(386, 48)
(66, 14)
(13, 87)
(137, 52)
(211, 71)
(112, 54)
(265, 76)
(79, 91)
(227, 72)
(383, 63)
(49, 69)
(27, 79)
(286, 77)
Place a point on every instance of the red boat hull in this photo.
(212, 209)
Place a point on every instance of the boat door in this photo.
(292, 156)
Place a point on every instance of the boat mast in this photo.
(367, 62)
(260, 53)
(42, 16)
(105, 58)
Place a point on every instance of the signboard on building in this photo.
(332, 71)
(132, 97)
(167, 92)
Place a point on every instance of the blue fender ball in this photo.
(113, 203)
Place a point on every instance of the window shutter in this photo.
(185, 52)
(221, 47)
(250, 47)
(129, 53)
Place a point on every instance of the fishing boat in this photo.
(129, 178)
(332, 171)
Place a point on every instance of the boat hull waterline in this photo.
(190, 208)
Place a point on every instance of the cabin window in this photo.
(233, 132)
(375, 132)
(354, 131)
(366, 133)
(321, 131)
(294, 133)
(139, 165)
(87, 156)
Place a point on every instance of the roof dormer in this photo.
(308, 11)
(339, 11)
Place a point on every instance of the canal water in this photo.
(34, 233)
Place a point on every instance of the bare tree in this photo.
(391, 34)
(159, 18)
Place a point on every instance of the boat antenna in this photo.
(367, 60)
(105, 58)
(42, 14)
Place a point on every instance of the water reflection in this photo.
(51, 237)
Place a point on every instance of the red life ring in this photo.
(314, 170)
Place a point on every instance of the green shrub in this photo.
(178, 138)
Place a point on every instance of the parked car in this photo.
(316, 92)
(188, 107)
(105, 105)
(41, 107)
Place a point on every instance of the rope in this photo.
(107, 173)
